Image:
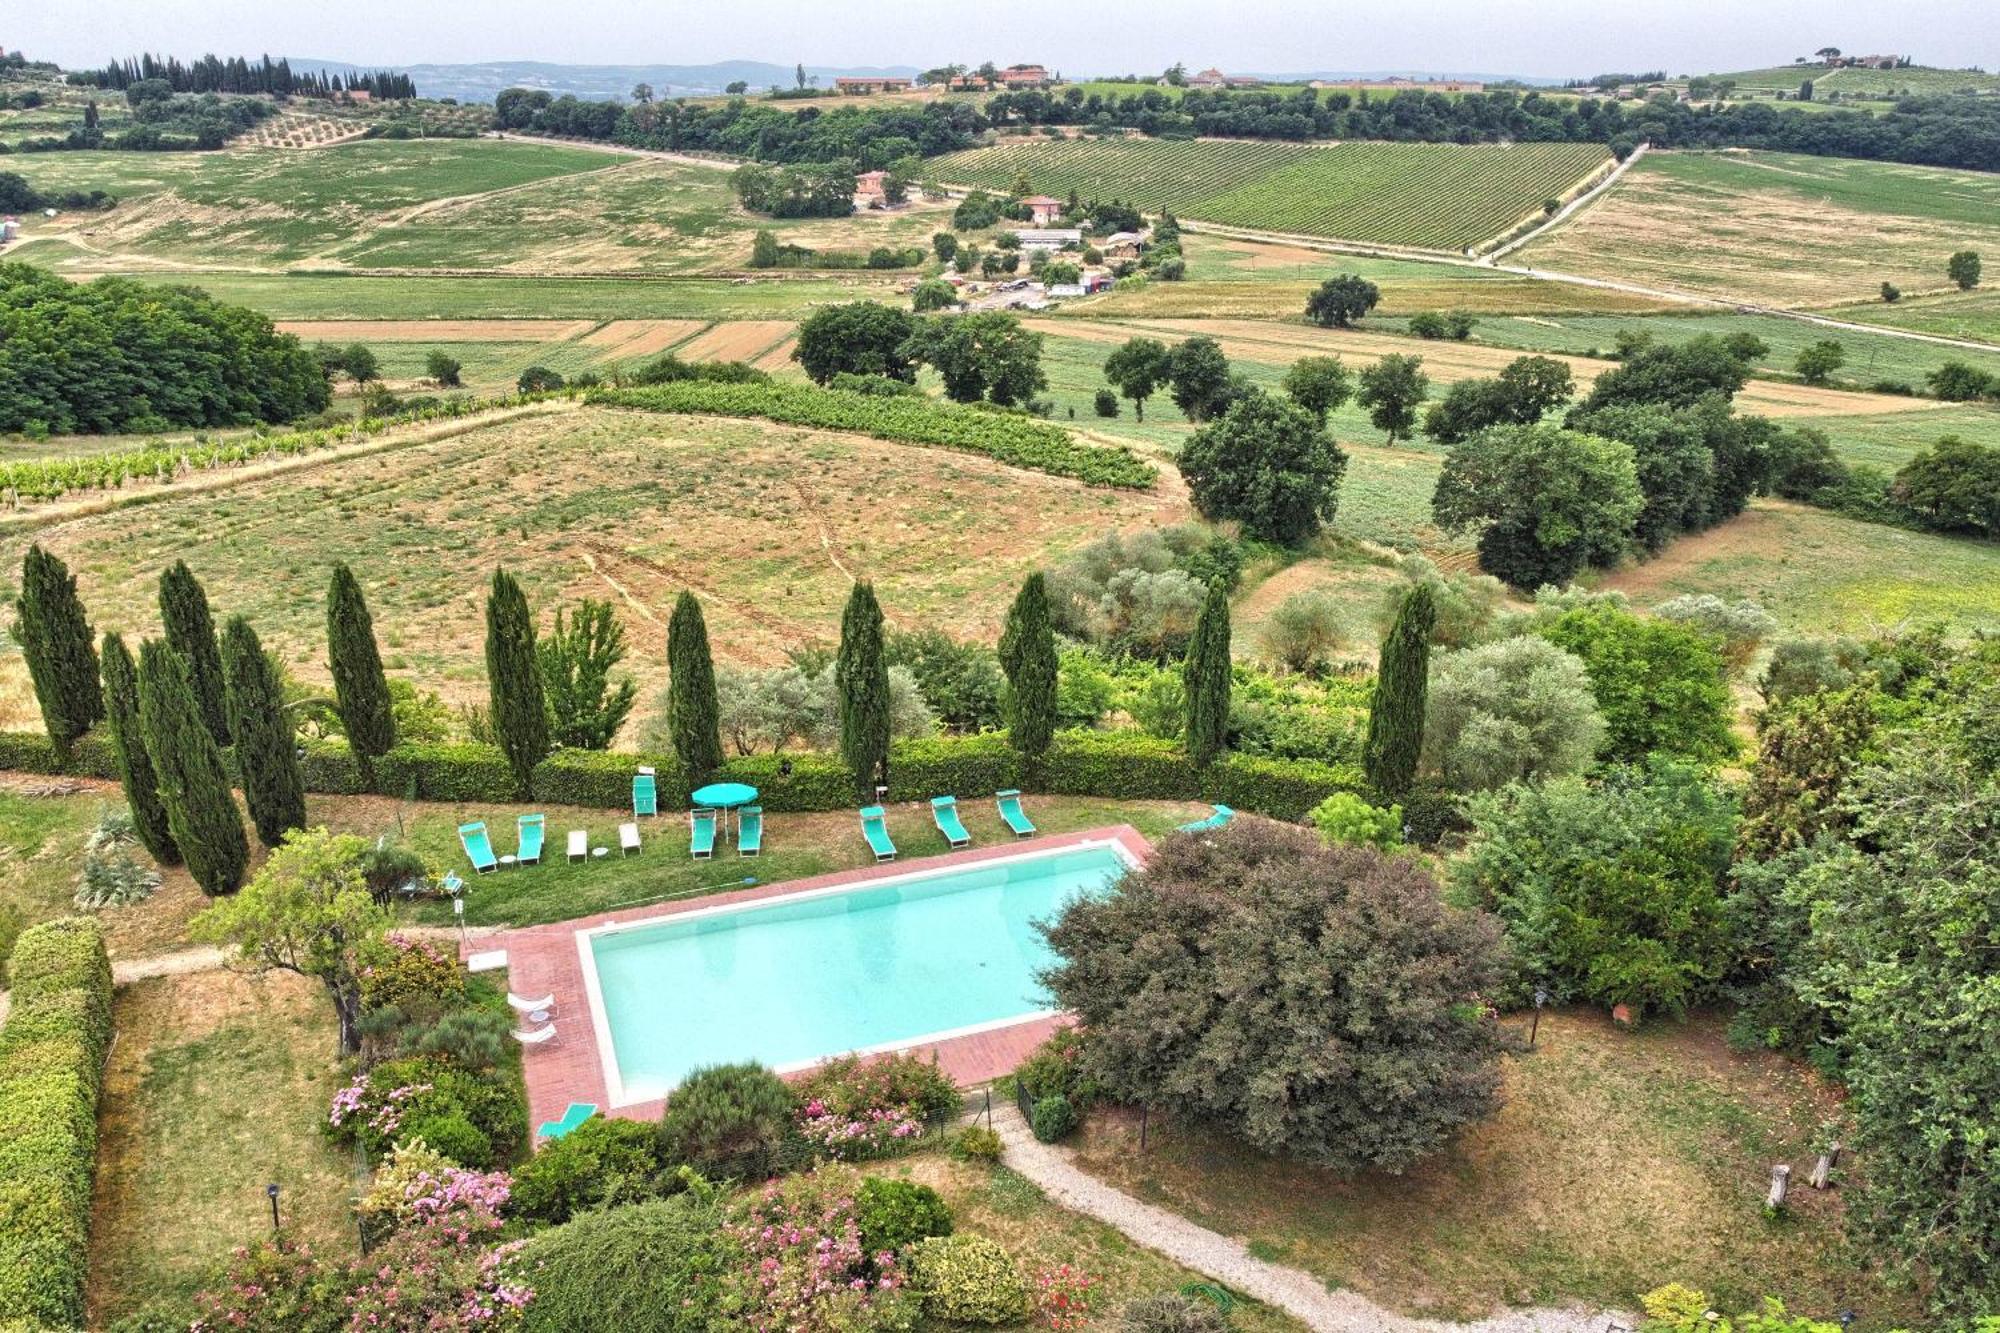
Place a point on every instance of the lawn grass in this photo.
(1952, 314)
(1618, 1162)
(1781, 228)
(216, 1086)
(795, 846)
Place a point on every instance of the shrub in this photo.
(1520, 709)
(1056, 1068)
(853, 1108)
(1661, 685)
(1054, 1118)
(419, 1185)
(412, 973)
(1171, 1312)
(975, 1143)
(113, 879)
(1105, 403)
(662, 1267)
(967, 1280)
(729, 1122)
(1740, 628)
(451, 1134)
(1190, 1010)
(604, 1161)
(386, 1104)
(52, 1052)
(1062, 1297)
(896, 1213)
(806, 1266)
(1344, 819)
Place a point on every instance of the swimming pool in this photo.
(885, 963)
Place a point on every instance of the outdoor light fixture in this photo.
(272, 1191)
(1847, 1318)
(1535, 1024)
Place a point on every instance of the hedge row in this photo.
(1009, 437)
(51, 1070)
(1080, 763)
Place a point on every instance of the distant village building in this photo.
(360, 95)
(1042, 210)
(1215, 78)
(870, 190)
(865, 87)
(1048, 238)
(1024, 76)
(1402, 85)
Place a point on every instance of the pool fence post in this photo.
(1145, 1119)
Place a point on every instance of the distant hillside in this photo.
(479, 83)
(1917, 80)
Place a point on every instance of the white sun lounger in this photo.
(579, 844)
(537, 1037)
(628, 838)
(545, 1005)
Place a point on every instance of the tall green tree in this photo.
(191, 633)
(1392, 390)
(193, 784)
(514, 681)
(55, 639)
(128, 743)
(1269, 464)
(1139, 368)
(360, 689)
(1402, 684)
(1028, 656)
(1963, 269)
(1206, 680)
(861, 679)
(694, 712)
(266, 751)
(577, 656)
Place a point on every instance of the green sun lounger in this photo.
(750, 830)
(529, 829)
(944, 811)
(1017, 819)
(701, 825)
(645, 794)
(1223, 814)
(478, 848)
(875, 828)
(577, 1113)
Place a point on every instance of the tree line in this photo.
(237, 74)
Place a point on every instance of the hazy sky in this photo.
(1531, 37)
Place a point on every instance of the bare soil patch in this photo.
(435, 330)
(737, 340)
(641, 337)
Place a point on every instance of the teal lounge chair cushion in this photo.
(530, 829)
(577, 1113)
(478, 849)
(750, 830)
(944, 809)
(1017, 819)
(876, 831)
(702, 842)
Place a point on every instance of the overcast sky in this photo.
(1531, 37)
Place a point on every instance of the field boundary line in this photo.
(1570, 209)
(626, 150)
(227, 478)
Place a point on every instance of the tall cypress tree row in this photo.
(1028, 656)
(1402, 686)
(360, 689)
(194, 786)
(55, 639)
(514, 681)
(191, 633)
(128, 743)
(266, 753)
(694, 714)
(861, 678)
(1206, 676)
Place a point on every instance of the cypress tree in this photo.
(1206, 676)
(360, 689)
(191, 633)
(693, 711)
(55, 639)
(861, 678)
(514, 681)
(1028, 656)
(194, 786)
(1402, 685)
(266, 753)
(128, 743)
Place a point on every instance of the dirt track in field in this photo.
(436, 330)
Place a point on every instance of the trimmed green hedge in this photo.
(51, 1069)
(1080, 763)
(1012, 438)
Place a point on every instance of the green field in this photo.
(1974, 314)
(1425, 196)
(1780, 228)
(1918, 80)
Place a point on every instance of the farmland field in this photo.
(1974, 314)
(1424, 196)
(1777, 228)
(1918, 80)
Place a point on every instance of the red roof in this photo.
(1042, 200)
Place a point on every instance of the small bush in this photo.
(412, 974)
(1344, 818)
(113, 878)
(729, 1122)
(1171, 1312)
(1056, 1069)
(454, 1137)
(605, 1161)
(1105, 403)
(662, 1267)
(1055, 1119)
(896, 1213)
(975, 1144)
(967, 1280)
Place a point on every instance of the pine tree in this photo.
(1206, 676)
(514, 681)
(55, 639)
(1028, 656)
(194, 786)
(360, 689)
(266, 752)
(861, 677)
(693, 712)
(1402, 684)
(128, 743)
(191, 633)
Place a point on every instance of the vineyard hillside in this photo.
(1424, 196)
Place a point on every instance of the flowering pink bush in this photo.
(431, 1280)
(807, 1271)
(852, 1108)
(1062, 1297)
(360, 1106)
(851, 1137)
(418, 1186)
(271, 1287)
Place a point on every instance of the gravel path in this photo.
(1299, 1294)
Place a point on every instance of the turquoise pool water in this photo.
(795, 980)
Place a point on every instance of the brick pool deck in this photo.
(545, 960)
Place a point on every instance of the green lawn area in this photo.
(1974, 314)
(1618, 1162)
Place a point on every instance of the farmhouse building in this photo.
(867, 86)
(1048, 238)
(1042, 210)
(1024, 76)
